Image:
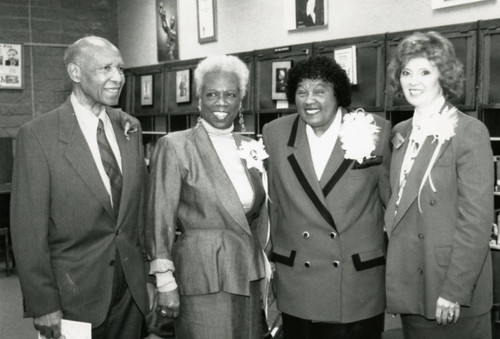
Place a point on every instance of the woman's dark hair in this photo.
(435, 48)
(321, 68)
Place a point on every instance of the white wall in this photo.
(246, 25)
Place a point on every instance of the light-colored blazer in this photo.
(444, 250)
(63, 229)
(327, 241)
(190, 192)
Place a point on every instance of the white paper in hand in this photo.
(74, 330)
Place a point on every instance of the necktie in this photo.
(110, 166)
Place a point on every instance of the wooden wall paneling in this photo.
(464, 39)
(263, 102)
(156, 108)
(368, 93)
(126, 95)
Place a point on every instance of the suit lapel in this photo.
(128, 156)
(78, 154)
(222, 185)
(301, 162)
(410, 192)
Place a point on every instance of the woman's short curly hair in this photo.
(321, 68)
(435, 48)
(222, 63)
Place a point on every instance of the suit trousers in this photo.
(418, 327)
(124, 319)
(298, 328)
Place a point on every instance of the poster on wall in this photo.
(166, 30)
(346, 58)
(11, 67)
(278, 81)
(183, 85)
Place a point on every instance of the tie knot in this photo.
(100, 126)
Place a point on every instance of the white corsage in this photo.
(254, 153)
(359, 135)
(442, 128)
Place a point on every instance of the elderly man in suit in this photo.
(328, 184)
(76, 204)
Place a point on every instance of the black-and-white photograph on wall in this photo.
(306, 13)
(166, 30)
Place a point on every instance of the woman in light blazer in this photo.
(206, 188)
(439, 217)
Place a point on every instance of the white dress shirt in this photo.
(88, 123)
(322, 146)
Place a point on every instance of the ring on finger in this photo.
(163, 312)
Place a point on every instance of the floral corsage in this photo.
(442, 128)
(359, 135)
(129, 125)
(254, 153)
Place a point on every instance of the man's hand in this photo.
(447, 311)
(168, 304)
(49, 325)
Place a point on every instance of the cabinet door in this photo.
(148, 91)
(464, 39)
(264, 84)
(490, 62)
(368, 93)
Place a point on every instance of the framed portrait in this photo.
(166, 30)
(207, 20)
(279, 74)
(11, 66)
(147, 90)
(448, 3)
(303, 14)
(346, 58)
(183, 85)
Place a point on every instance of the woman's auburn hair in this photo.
(439, 51)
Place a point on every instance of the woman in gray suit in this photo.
(439, 217)
(206, 188)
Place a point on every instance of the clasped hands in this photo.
(49, 325)
(168, 304)
(447, 311)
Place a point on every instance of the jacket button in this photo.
(333, 235)
(420, 270)
(307, 264)
(336, 263)
(421, 236)
(117, 231)
(112, 263)
(433, 202)
(306, 235)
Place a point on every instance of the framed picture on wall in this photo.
(279, 72)
(346, 58)
(302, 14)
(182, 92)
(448, 3)
(207, 20)
(147, 90)
(11, 66)
(166, 30)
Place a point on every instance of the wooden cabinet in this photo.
(368, 93)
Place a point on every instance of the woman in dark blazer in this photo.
(439, 217)
(206, 188)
